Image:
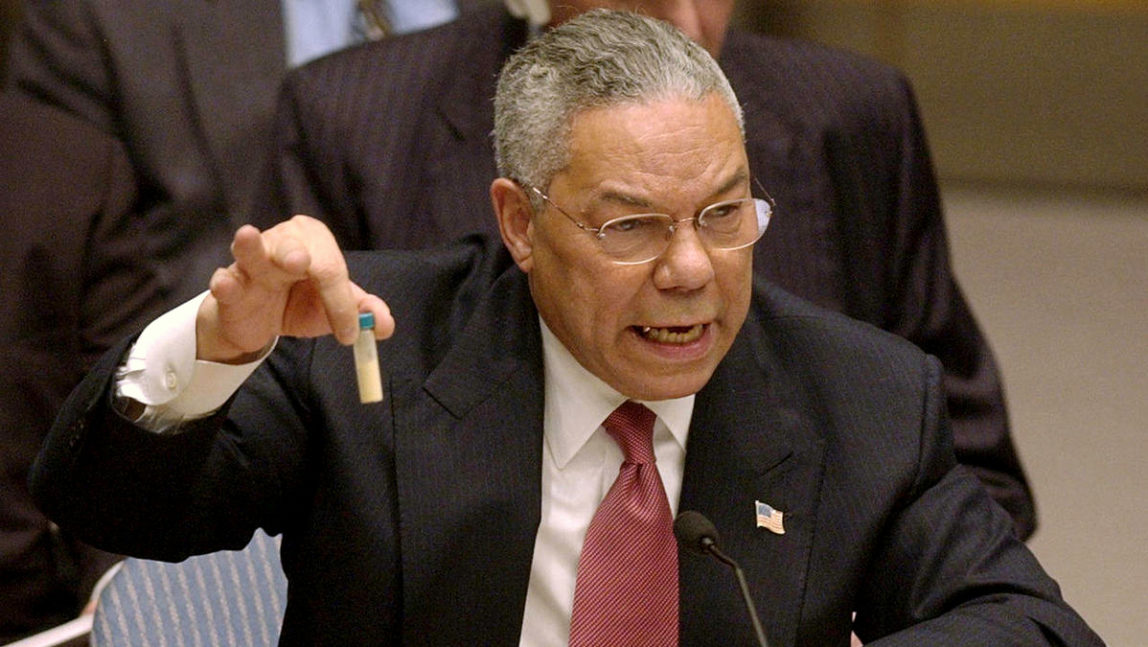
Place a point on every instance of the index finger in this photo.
(328, 273)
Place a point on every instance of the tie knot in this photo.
(632, 427)
(371, 20)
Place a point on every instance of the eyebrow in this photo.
(630, 200)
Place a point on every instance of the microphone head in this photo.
(695, 532)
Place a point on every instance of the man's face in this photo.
(704, 21)
(656, 330)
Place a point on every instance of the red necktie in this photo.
(627, 586)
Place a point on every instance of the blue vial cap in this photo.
(366, 320)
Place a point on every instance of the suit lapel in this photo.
(468, 447)
(234, 56)
(467, 98)
(749, 441)
(468, 454)
(455, 132)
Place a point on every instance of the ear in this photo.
(515, 220)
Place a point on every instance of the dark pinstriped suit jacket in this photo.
(390, 145)
(413, 521)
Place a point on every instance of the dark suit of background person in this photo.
(414, 522)
(72, 282)
(189, 86)
(390, 145)
(9, 15)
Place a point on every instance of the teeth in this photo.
(667, 336)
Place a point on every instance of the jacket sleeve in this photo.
(949, 570)
(894, 226)
(166, 496)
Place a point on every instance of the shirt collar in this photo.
(577, 402)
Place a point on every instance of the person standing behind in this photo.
(71, 283)
(189, 86)
(834, 137)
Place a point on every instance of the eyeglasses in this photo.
(641, 238)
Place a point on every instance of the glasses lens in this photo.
(635, 238)
(729, 224)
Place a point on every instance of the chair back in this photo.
(223, 598)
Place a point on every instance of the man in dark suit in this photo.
(370, 137)
(455, 511)
(72, 283)
(189, 87)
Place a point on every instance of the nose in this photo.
(686, 264)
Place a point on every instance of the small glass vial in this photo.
(367, 361)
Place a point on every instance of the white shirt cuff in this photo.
(161, 372)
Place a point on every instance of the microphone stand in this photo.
(709, 546)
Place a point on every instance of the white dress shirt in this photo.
(579, 459)
(317, 27)
(579, 464)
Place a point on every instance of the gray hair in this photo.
(598, 59)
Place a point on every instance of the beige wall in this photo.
(1057, 281)
(1019, 92)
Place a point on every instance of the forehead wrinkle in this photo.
(621, 197)
(620, 156)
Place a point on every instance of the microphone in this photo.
(697, 534)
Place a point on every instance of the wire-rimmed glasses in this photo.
(641, 238)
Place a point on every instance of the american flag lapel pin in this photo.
(770, 519)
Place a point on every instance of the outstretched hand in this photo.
(289, 280)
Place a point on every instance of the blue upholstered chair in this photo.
(224, 598)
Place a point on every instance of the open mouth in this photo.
(673, 334)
